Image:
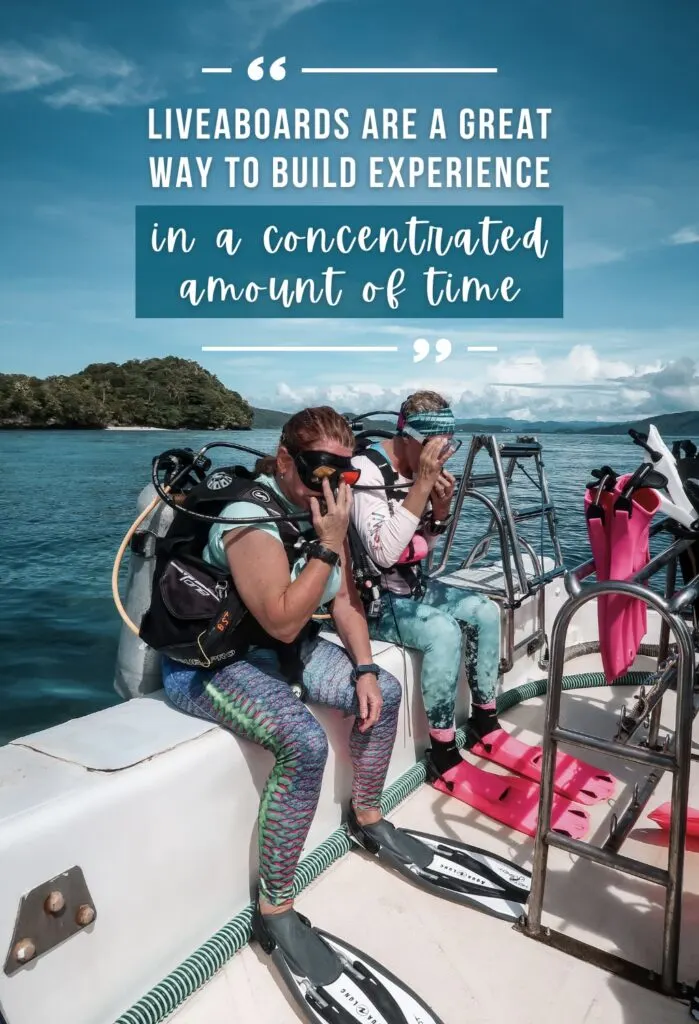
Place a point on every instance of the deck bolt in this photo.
(54, 902)
(85, 915)
(24, 951)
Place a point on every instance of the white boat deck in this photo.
(470, 967)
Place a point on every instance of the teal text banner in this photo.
(395, 262)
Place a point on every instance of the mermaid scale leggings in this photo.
(446, 620)
(253, 700)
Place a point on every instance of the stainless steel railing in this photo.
(675, 759)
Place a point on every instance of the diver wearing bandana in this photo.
(445, 623)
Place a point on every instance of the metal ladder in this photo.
(674, 666)
(510, 584)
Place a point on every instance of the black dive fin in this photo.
(694, 1006)
(333, 982)
(446, 868)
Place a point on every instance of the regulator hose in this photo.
(169, 994)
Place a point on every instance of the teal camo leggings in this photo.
(447, 621)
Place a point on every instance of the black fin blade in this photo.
(469, 858)
(373, 980)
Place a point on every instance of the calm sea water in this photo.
(68, 498)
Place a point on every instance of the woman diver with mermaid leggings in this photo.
(252, 697)
(444, 620)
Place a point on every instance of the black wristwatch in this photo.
(438, 526)
(360, 670)
(317, 550)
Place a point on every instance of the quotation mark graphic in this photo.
(277, 69)
(421, 348)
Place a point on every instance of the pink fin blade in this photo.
(512, 801)
(575, 779)
(663, 816)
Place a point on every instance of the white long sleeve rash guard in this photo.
(384, 526)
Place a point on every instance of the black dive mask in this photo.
(314, 467)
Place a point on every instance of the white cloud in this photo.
(581, 384)
(93, 79)
(20, 69)
(581, 255)
(257, 18)
(97, 99)
(685, 236)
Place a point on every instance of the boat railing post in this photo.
(550, 748)
(684, 717)
(678, 762)
(663, 649)
(509, 519)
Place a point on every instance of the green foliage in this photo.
(171, 393)
(269, 418)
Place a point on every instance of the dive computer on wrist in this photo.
(318, 550)
(361, 670)
(440, 525)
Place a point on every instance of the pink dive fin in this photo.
(625, 619)
(620, 547)
(513, 801)
(575, 779)
(598, 511)
(663, 815)
(596, 530)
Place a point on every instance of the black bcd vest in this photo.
(196, 616)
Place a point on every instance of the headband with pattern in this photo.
(429, 424)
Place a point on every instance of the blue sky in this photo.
(622, 79)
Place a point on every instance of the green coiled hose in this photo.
(169, 994)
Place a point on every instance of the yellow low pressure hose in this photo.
(119, 556)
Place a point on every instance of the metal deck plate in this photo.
(48, 915)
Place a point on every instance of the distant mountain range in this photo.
(267, 419)
(674, 424)
(506, 424)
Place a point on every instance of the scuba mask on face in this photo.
(315, 466)
(451, 444)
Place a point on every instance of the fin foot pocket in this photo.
(299, 943)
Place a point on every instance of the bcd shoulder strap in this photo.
(390, 477)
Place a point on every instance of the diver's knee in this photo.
(487, 615)
(391, 690)
(312, 746)
(443, 631)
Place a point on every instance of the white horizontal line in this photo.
(217, 71)
(299, 348)
(481, 348)
(399, 71)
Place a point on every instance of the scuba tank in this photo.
(170, 605)
(138, 666)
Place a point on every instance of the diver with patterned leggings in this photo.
(253, 700)
(447, 624)
(252, 697)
